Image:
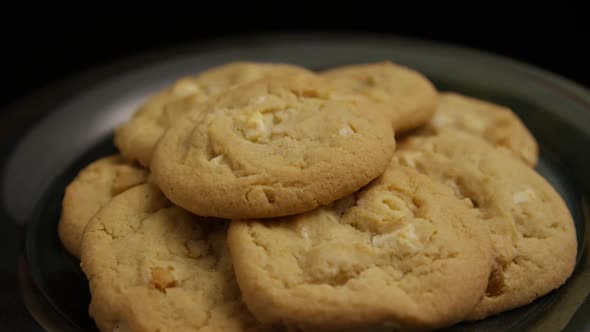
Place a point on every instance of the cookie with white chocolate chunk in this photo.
(138, 137)
(407, 98)
(155, 267)
(277, 146)
(94, 186)
(496, 124)
(403, 252)
(532, 231)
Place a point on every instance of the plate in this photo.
(67, 131)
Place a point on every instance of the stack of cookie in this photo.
(260, 196)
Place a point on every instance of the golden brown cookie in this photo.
(532, 231)
(403, 253)
(154, 267)
(137, 138)
(92, 188)
(496, 124)
(277, 146)
(408, 98)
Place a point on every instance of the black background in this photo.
(39, 50)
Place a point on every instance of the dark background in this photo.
(39, 50)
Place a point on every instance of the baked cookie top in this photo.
(532, 231)
(402, 253)
(91, 189)
(407, 97)
(137, 138)
(277, 146)
(154, 267)
(494, 123)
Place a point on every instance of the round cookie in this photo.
(154, 267)
(403, 253)
(93, 187)
(137, 138)
(408, 98)
(277, 146)
(496, 124)
(532, 231)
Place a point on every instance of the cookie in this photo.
(137, 138)
(403, 253)
(494, 123)
(533, 235)
(408, 98)
(277, 146)
(155, 267)
(93, 187)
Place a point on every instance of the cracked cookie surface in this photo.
(407, 97)
(91, 189)
(532, 231)
(277, 146)
(401, 253)
(155, 267)
(496, 124)
(137, 137)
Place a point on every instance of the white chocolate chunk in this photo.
(441, 120)
(260, 100)
(408, 158)
(405, 237)
(257, 126)
(217, 160)
(523, 196)
(346, 130)
(303, 233)
(474, 124)
(184, 88)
